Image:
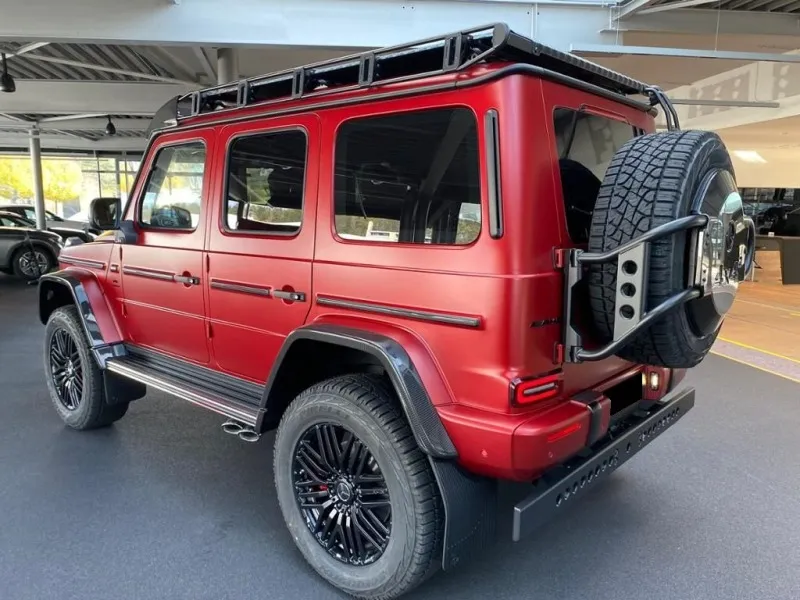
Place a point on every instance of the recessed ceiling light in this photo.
(750, 156)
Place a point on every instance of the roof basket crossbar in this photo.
(420, 59)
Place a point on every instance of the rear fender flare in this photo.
(413, 394)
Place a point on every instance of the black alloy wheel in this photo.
(342, 494)
(66, 369)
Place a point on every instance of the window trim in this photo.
(223, 221)
(390, 113)
(143, 192)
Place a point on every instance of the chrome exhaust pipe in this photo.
(244, 432)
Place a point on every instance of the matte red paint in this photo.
(508, 282)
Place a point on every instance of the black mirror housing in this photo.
(104, 213)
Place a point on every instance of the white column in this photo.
(38, 185)
(227, 65)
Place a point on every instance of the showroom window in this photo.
(174, 191)
(266, 176)
(411, 178)
(585, 144)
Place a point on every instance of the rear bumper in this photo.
(557, 490)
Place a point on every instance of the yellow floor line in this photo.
(760, 368)
(743, 345)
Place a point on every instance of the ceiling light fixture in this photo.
(750, 156)
(6, 80)
(110, 129)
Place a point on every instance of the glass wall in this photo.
(70, 182)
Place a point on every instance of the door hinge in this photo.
(208, 263)
(209, 330)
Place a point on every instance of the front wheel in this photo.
(357, 494)
(74, 379)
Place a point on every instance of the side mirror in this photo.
(104, 213)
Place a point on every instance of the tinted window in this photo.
(174, 189)
(266, 174)
(585, 143)
(411, 178)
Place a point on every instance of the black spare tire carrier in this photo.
(610, 284)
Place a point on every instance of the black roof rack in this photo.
(414, 60)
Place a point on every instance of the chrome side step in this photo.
(180, 388)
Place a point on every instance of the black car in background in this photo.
(11, 219)
(27, 211)
(27, 252)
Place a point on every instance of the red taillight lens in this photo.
(536, 390)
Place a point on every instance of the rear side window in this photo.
(585, 144)
(411, 178)
(266, 174)
(174, 191)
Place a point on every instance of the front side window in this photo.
(585, 144)
(266, 175)
(174, 190)
(410, 178)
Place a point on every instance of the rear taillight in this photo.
(655, 382)
(529, 391)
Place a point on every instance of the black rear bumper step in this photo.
(557, 491)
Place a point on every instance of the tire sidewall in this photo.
(326, 407)
(63, 319)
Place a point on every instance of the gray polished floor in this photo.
(165, 505)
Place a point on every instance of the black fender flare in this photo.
(423, 419)
(79, 297)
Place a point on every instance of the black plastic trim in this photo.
(81, 300)
(556, 489)
(592, 402)
(492, 144)
(425, 423)
(395, 311)
(232, 286)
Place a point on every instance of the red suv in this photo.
(429, 267)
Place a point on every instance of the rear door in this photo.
(587, 132)
(261, 240)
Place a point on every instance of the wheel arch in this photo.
(313, 353)
(25, 244)
(72, 286)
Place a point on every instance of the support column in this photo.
(227, 65)
(38, 185)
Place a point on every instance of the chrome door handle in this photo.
(186, 280)
(292, 296)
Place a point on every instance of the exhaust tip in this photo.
(232, 427)
(248, 435)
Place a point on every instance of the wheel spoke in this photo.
(341, 491)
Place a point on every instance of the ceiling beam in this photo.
(80, 124)
(93, 67)
(92, 97)
(675, 5)
(633, 7)
(314, 23)
(611, 50)
(703, 21)
(27, 48)
(208, 68)
(50, 141)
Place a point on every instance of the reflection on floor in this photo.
(764, 323)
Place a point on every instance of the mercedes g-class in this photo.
(430, 267)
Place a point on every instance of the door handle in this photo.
(186, 279)
(291, 296)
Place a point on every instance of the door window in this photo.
(412, 178)
(174, 190)
(266, 176)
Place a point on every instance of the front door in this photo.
(162, 273)
(261, 241)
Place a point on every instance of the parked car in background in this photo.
(27, 252)
(28, 211)
(10, 219)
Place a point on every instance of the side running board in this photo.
(133, 367)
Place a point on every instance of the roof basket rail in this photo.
(419, 59)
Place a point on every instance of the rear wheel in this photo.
(652, 180)
(32, 263)
(74, 379)
(357, 494)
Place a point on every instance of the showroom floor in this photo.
(165, 505)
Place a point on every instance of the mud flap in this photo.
(470, 512)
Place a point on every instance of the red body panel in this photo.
(510, 284)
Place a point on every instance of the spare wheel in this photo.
(652, 180)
